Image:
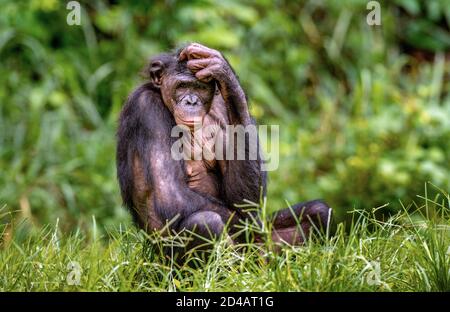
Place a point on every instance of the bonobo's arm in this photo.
(242, 179)
(144, 134)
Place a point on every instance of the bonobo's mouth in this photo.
(189, 115)
(191, 123)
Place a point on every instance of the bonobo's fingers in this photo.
(208, 73)
(197, 64)
(291, 235)
(193, 51)
(197, 51)
(208, 68)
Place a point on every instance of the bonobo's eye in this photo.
(200, 89)
(183, 85)
(181, 88)
(192, 85)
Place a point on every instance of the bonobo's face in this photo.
(186, 97)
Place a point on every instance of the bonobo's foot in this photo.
(294, 225)
(198, 230)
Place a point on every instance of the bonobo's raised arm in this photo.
(242, 178)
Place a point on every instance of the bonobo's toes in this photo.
(293, 225)
(315, 212)
(319, 212)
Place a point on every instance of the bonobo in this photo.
(196, 87)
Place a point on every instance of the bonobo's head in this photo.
(187, 98)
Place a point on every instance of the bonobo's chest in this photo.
(202, 178)
(204, 172)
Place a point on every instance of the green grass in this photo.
(410, 251)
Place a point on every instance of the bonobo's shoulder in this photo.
(144, 92)
(144, 107)
(144, 97)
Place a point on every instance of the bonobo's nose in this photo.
(191, 99)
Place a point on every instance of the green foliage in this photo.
(363, 110)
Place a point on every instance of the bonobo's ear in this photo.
(156, 70)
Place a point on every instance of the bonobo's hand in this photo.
(208, 64)
(205, 63)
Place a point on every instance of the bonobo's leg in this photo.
(293, 225)
(206, 224)
(199, 230)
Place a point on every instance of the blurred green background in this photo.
(364, 111)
